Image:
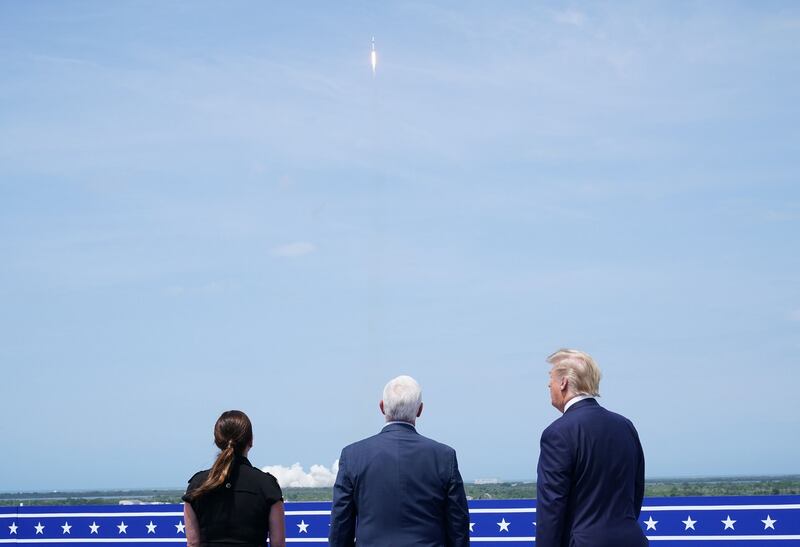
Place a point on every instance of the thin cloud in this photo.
(295, 476)
(294, 250)
(63, 60)
(781, 216)
(789, 23)
(570, 17)
(212, 287)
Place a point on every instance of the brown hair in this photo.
(233, 433)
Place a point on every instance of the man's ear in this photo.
(381, 407)
(564, 383)
(419, 412)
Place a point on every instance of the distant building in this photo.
(487, 481)
(140, 502)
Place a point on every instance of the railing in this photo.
(703, 521)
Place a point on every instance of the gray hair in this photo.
(579, 368)
(401, 399)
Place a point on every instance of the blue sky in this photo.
(209, 205)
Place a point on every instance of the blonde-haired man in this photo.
(590, 482)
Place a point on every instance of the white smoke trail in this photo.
(296, 477)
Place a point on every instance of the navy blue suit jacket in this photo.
(397, 489)
(590, 482)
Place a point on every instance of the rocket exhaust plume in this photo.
(373, 57)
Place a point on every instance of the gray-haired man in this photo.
(399, 488)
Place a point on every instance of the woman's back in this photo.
(236, 512)
(233, 503)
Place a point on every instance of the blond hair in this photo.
(579, 368)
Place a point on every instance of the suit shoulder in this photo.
(436, 445)
(627, 422)
(359, 445)
(612, 419)
(557, 426)
(619, 418)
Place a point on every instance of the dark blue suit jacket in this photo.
(397, 489)
(590, 482)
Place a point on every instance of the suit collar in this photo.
(582, 404)
(398, 426)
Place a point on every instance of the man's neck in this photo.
(390, 422)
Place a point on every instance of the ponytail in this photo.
(218, 474)
(232, 433)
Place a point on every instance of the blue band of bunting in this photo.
(703, 521)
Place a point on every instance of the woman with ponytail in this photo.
(233, 503)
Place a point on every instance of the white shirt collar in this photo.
(576, 399)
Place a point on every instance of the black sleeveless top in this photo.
(236, 513)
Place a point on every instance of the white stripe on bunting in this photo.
(96, 515)
(719, 507)
(97, 540)
(503, 539)
(657, 538)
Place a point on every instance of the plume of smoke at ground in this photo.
(296, 477)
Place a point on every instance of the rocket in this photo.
(373, 57)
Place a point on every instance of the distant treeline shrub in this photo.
(736, 486)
